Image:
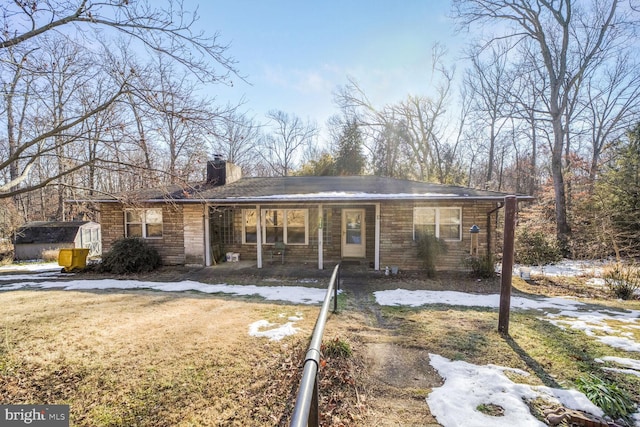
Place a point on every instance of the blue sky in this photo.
(295, 54)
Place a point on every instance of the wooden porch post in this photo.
(207, 239)
(259, 235)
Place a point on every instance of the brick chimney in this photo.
(221, 172)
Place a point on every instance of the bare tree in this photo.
(236, 139)
(16, 92)
(54, 115)
(167, 30)
(289, 134)
(180, 121)
(419, 126)
(488, 84)
(570, 38)
(391, 158)
(526, 100)
(611, 106)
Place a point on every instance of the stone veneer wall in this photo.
(397, 247)
(170, 246)
(183, 234)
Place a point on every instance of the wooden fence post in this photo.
(511, 206)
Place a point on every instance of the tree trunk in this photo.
(563, 230)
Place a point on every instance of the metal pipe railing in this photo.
(306, 413)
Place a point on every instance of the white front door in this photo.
(353, 233)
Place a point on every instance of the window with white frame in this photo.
(289, 226)
(144, 223)
(443, 223)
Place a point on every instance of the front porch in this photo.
(314, 236)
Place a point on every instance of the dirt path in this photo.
(397, 378)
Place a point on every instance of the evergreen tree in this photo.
(619, 192)
(350, 159)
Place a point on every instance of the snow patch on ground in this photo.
(573, 314)
(273, 331)
(467, 386)
(633, 365)
(403, 297)
(598, 324)
(488, 384)
(20, 277)
(568, 268)
(293, 294)
(31, 266)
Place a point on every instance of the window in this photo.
(273, 226)
(278, 225)
(296, 227)
(145, 223)
(221, 225)
(250, 230)
(443, 223)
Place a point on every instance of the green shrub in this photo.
(623, 281)
(130, 255)
(429, 248)
(483, 267)
(536, 248)
(614, 401)
(336, 348)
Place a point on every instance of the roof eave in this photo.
(255, 200)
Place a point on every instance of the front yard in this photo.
(148, 359)
(180, 354)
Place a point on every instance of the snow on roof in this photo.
(338, 188)
(347, 195)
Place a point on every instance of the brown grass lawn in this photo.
(148, 359)
(142, 358)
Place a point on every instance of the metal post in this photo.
(335, 292)
(314, 412)
(511, 205)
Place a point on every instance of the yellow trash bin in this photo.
(72, 259)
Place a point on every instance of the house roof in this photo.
(312, 189)
(49, 232)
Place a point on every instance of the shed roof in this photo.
(49, 231)
(312, 189)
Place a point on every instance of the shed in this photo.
(35, 237)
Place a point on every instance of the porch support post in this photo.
(259, 235)
(320, 241)
(207, 240)
(376, 260)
